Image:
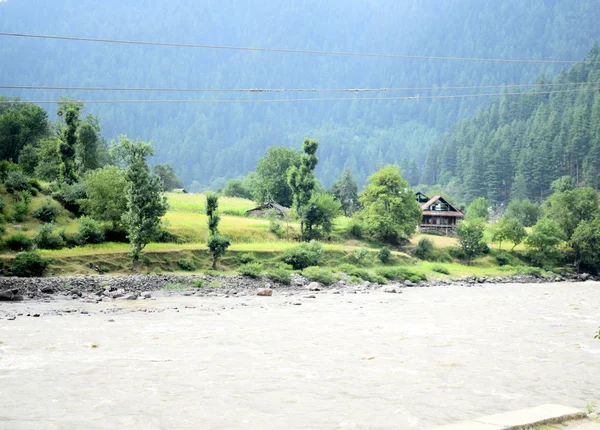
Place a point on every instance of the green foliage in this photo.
(569, 208)
(562, 184)
(478, 209)
(586, 244)
(212, 205)
(279, 274)
(145, 204)
(247, 258)
(2, 205)
(359, 256)
(544, 238)
(390, 211)
(425, 249)
(15, 181)
(89, 231)
(167, 177)
(46, 212)
(187, 264)
(70, 196)
(238, 188)
(69, 111)
(526, 212)
(20, 210)
(319, 216)
(355, 272)
(320, 274)
(252, 270)
(47, 239)
(18, 242)
(304, 255)
(401, 274)
(345, 191)
(509, 229)
(384, 255)
(28, 264)
(271, 174)
(441, 269)
(302, 182)
(48, 166)
(470, 238)
(355, 229)
(28, 159)
(20, 125)
(217, 245)
(198, 283)
(105, 189)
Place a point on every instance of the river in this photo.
(426, 357)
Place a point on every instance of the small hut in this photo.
(439, 216)
(262, 210)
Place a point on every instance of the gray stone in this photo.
(313, 286)
(146, 295)
(409, 283)
(390, 289)
(8, 295)
(265, 292)
(130, 296)
(47, 290)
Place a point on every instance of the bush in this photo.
(276, 228)
(279, 274)
(253, 270)
(187, 264)
(531, 271)
(15, 181)
(21, 209)
(384, 255)
(2, 204)
(114, 233)
(165, 236)
(34, 184)
(89, 231)
(424, 250)
(440, 269)
(18, 242)
(355, 229)
(503, 259)
(247, 258)
(401, 274)
(70, 196)
(28, 264)
(198, 283)
(47, 212)
(360, 255)
(47, 239)
(303, 256)
(355, 272)
(319, 274)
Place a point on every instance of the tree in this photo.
(544, 238)
(586, 244)
(562, 184)
(322, 210)
(390, 211)
(20, 125)
(217, 244)
(145, 203)
(106, 194)
(167, 176)
(89, 145)
(509, 229)
(470, 237)
(478, 209)
(525, 211)
(271, 175)
(302, 182)
(569, 208)
(345, 191)
(237, 188)
(69, 111)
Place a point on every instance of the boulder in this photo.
(313, 286)
(8, 295)
(266, 292)
(390, 289)
(146, 295)
(47, 290)
(130, 296)
(409, 283)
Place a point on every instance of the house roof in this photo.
(271, 205)
(452, 212)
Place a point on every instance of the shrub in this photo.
(47, 212)
(503, 259)
(531, 271)
(440, 269)
(70, 196)
(198, 283)
(172, 286)
(319, 274)
(21, 209)
(247, 258)
(89, 231)
(303, 256)
(401, 274)
(34, 184)
(384, 255)
(252, 270)
(2, 204)
(18, 242)
(187, 264)
(279, 274)
(360, 255)
(276, 228)
(114, 233)
(15, 181)
(354, 280)
(2, 229)
(47, 239)
(355, 272)
(425, 249)
(28, 264)
(165, 236)
(355, 229)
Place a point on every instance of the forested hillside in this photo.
(516, 147)
(208, 143)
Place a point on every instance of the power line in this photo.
(287, 90)
(292, 51)
(302, 100)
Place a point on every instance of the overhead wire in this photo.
(292, 51)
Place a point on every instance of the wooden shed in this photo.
(261, 211)
(439, 216)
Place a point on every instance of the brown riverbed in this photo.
(425, 357)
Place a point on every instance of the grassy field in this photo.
(196, 203)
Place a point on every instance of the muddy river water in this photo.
(349, 361)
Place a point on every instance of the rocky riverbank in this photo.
(132, 287)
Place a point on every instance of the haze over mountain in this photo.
(208, 143)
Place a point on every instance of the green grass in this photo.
(196, 203)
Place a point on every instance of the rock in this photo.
(310, 297)
(297, 304)
(313, 286)
(130, 296)
(584, 276)
(390, 289)
(481, 280)
(335, 291)
(8, 295)
(146, 295)
(47, 290)
(409, 283)
(265, 292)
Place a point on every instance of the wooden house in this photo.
(261, 211)
(438, 215)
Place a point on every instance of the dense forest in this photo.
(516, 147)
(210, 143)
